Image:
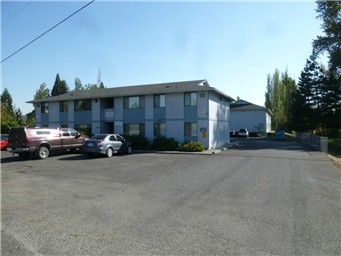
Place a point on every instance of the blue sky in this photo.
(234, 45)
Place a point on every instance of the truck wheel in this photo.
(43, 152)
(109, 152)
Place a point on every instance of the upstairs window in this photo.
(63, 106)
(191, 99)
(82, 105)
(160, 101)
(133, 102)
(45, 107)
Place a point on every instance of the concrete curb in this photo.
(205, 152)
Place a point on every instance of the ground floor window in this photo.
(191, 129)
(84, 129)
(159, 129)
(134, 129)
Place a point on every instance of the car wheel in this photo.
(90, 155)
(129, 150)
(109, 152)
(43, 152)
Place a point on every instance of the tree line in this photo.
(314, 103)
(12, 116)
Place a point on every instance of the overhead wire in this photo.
(35, 39)
(15, 15)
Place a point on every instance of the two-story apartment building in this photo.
(185, 111)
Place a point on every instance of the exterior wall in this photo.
(53, 116)
(211, 115)
(175, 116)
(95, 116)
(268, 122)
(218, 121)
(202, 117)
(71, 114)
(253, 120)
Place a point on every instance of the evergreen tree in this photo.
(331, 102)
(78, 84)
(330, 13)
(8, 112)
(7, 101)
(59, 87)
(303, 101)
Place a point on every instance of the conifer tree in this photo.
(59, 87)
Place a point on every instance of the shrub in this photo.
(193, 146)
(138, 142)
(165, 144)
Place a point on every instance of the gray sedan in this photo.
(107, 144)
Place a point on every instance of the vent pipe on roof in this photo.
(203, 83)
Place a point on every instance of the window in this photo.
(134, 129)
(74, 132)
(108, 103)
(65, 133)
(133, 102)
(63, 106)
(119, 138)
(191, 129)
(191, 99)
(84, 129)
(82, 105)
(43, 132)
(159, 129)
(112, 138)
(45, 107)
(159, 101)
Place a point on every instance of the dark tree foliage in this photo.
(318, 102)
(10, 116)
(59, 87)
(308, 114)
(7, 101)
(331, 102)
(78, 84)
(330, 14)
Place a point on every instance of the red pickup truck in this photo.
(41, 141)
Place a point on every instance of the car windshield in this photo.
(98, 137)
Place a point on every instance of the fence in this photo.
(318, 142)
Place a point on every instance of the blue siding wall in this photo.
(83, 117)
(133, 115)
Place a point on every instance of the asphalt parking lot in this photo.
(260, 198)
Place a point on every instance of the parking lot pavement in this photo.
(260, 198)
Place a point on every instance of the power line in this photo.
(15, 15)
(47, 31)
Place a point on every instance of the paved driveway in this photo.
(260, 198)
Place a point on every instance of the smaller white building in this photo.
(255, 118)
